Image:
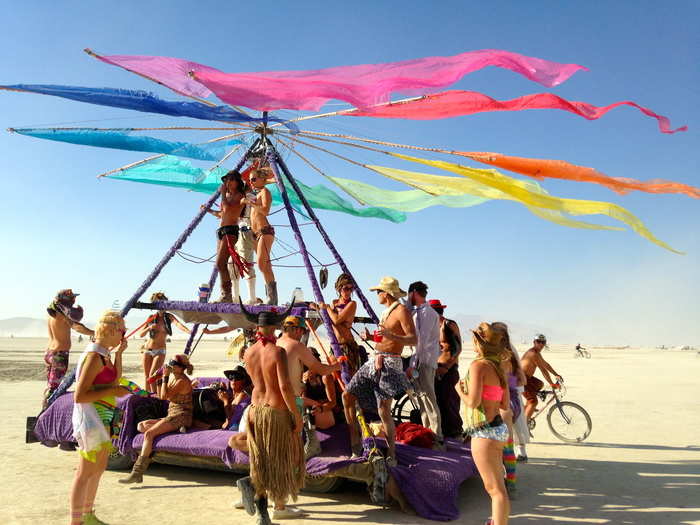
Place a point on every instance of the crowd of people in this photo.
(282, 379)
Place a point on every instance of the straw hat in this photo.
(391, 286)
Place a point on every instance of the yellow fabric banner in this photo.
(453, 187)
(521, 191)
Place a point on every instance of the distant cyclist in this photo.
(580, 351)
(530, 362)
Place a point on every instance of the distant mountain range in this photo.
(22, 327)
(31, 327)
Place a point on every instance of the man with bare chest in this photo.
(63, 316)
(232, 204)
(277, 468)
(380, 379)
(530, 362)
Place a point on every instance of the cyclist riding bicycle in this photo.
(530, 362)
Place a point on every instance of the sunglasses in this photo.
(172, 362)
(348, 288)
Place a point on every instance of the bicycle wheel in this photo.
(587, 354)
(569, 422)
(576, 355)
(401, 413)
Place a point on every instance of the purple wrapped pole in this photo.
(326, 239)
(304, 253)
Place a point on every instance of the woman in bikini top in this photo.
(263, 231)
(158, 330)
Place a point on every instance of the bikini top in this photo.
(492, 393)
(107, 375)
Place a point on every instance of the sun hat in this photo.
(391, 286)
(436, 303)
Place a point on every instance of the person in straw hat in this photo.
(379, 380)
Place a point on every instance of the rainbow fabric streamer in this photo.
(559, 169)
(180, 173)
(124, 140)
(139, 100)
(133, 387)
(360, 85)
(519, 191)
(455, 187)
(405, 200)
(460, 103)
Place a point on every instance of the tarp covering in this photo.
(459, 103)
(519, 190)
(139, 100)
(180, 173)
(559, 169)
(360, 85)
(125, 140)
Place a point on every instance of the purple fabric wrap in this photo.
(430, 480)
(515, 404)
(207, 443)
(55, 424)
(318, 295)
(224, 308)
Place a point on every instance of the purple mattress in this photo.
(429, 479)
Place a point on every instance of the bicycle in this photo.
(568, 421)
(582, 352)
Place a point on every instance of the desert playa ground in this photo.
(641, 464)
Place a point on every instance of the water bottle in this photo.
(298, 295)
(204, 292)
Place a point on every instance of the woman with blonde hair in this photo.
(93, 413)
(485, 394)
(178, 392)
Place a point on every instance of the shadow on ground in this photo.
(619, 492)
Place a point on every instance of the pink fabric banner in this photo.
(170, 72)
(459, 103)
(369, 84)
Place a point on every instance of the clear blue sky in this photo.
(63, 227)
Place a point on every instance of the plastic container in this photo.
(204, 292)
(377, 337)
(298, 295)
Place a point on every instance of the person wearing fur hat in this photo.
(379, 380)
(277, 468)
(64, 316)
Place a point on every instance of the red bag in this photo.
(416, 435)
